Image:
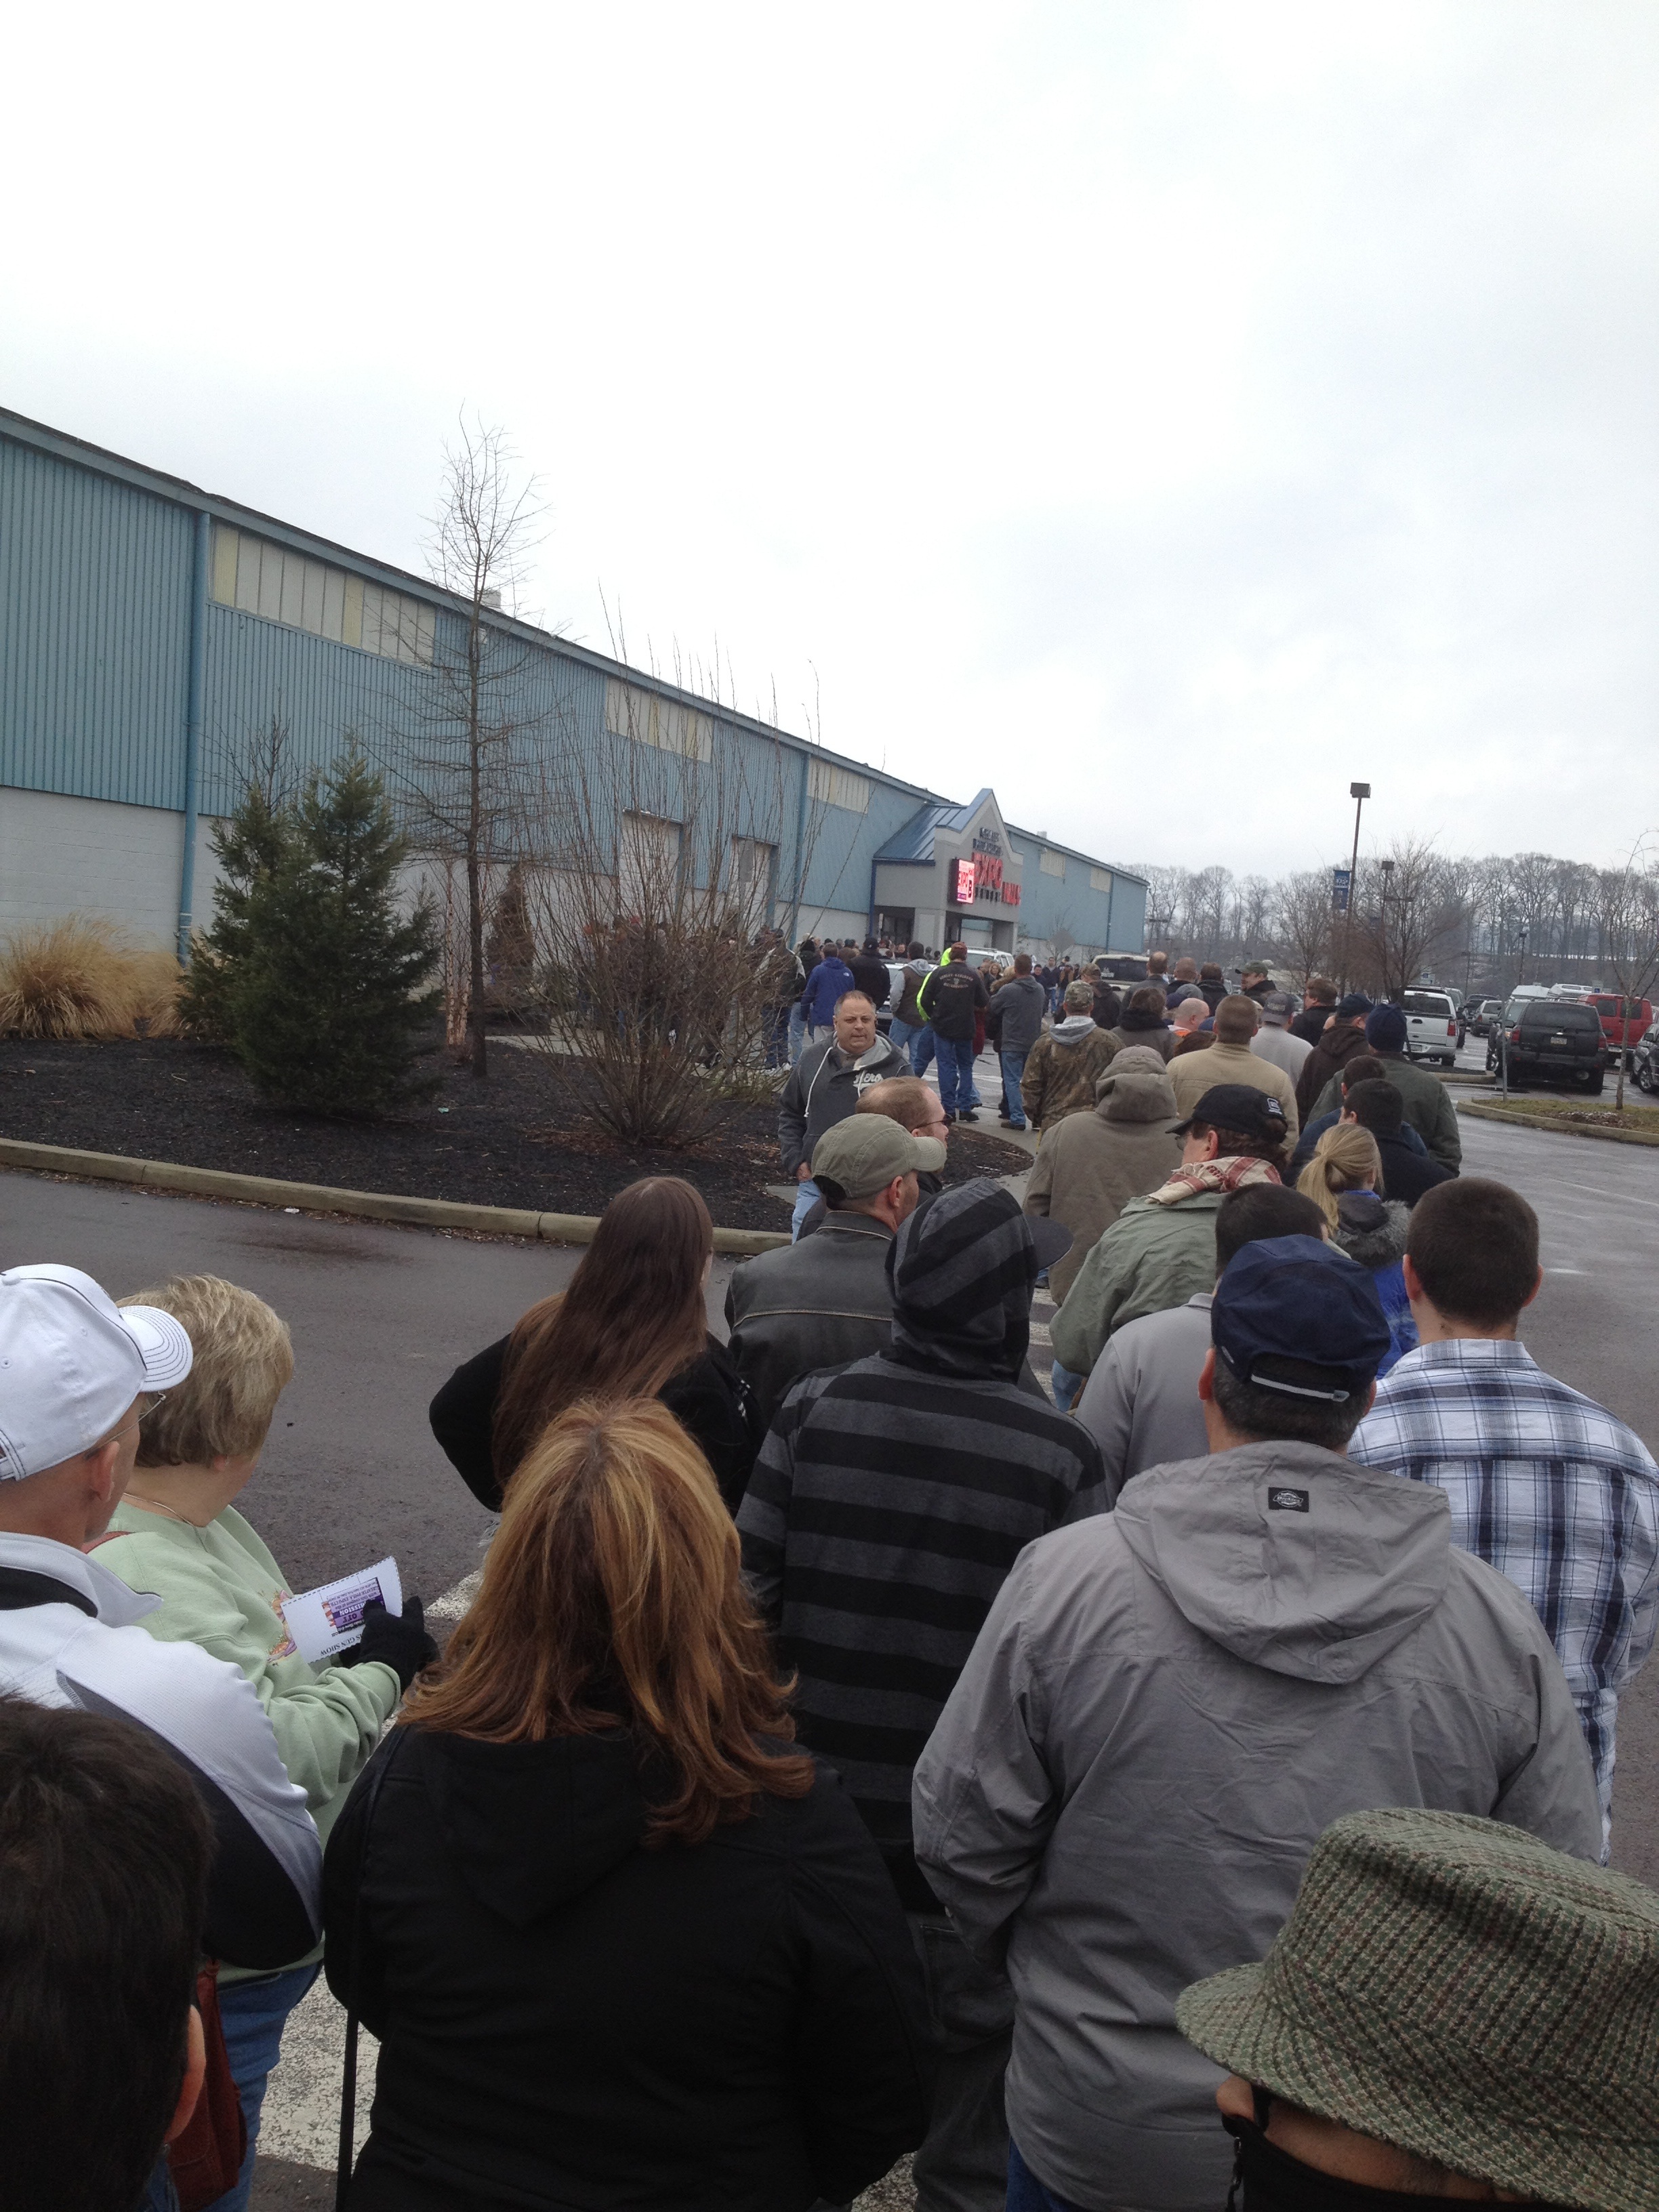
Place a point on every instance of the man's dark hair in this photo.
(1474, 1245)
(1276, 1417)
(1210, 972)
(1146, 998)
(1262, 1209)
(913, 949)
(104, 1851)
(1321, 991)
(1022, 964)
(1376, 1106)
(1238, 1145)
(1364, 1067)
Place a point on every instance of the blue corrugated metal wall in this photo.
(94, 634)
(95, 631)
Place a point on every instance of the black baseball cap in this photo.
(1298, 1300)
(1242, 1108)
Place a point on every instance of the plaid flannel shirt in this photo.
(1549, 1488)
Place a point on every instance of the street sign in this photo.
(1341, 884)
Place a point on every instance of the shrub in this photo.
(158, 987)
(331, 983)
(78, 977)
(249, 847)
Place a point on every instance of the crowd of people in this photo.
(1198, 1773)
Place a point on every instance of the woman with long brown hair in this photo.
(632, 1324)
(622, 1943)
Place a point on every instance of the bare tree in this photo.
(464, 771)
(661, 855)
(1404, 913)
(1301, 921)
(1627, 930)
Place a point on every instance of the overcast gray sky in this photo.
(1163, 412)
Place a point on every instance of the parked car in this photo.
(1548, 1040)
(1622, 1030)
(1430, 1026)
(1481, 1014)
(1645, 1061)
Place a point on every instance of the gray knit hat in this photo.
(1456, 1988)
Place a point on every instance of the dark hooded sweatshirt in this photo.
(892, 1497)
(567, 2019)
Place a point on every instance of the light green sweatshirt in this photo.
(220, 1587)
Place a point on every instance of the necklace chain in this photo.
(156, 1506)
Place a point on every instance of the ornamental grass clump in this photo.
(79, 978)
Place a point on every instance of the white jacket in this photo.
(70, 1635)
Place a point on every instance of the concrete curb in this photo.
(1520, 1119)
(319, 1198)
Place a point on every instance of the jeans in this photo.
(901, 1034)
(1065, 1386)
(923, 1046)
(1013, 1066)
(160, 2195)
(956, 1072)
(778, 1020)
(254, 2015)
(807, 1195)
(1025, 2192)
(963, 2163)
(796, 1033)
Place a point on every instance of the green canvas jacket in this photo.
(1151, 1257)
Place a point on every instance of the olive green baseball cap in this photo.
(1456, 1988)
(863, 1153)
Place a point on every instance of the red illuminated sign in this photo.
(981, 878)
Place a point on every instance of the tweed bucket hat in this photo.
(1456, 1988)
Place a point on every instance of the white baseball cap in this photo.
(71, 1362)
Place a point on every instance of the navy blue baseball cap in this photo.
(1297, 1300)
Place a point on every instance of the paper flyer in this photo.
(326, 1621)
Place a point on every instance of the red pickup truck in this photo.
(1621, 1033)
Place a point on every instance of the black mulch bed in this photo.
(523, 1137)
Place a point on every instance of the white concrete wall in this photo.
(823, 921)
(60, 856)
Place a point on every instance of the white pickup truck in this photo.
(1430, 1026)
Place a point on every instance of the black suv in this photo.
(1550, 1039)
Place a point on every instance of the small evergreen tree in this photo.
(249, 847)
(510, 947)
(333, 983)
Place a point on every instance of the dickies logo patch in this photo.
(1287, 1501)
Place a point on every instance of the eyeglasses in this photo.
(156, 1398)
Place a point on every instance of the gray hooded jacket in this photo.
(1165, 1707)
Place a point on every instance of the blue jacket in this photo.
(828, 981)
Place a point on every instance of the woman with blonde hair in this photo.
(1341, 1179)
(177, 1535)
(622, 1943)
(631, 1324)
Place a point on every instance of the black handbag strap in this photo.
(346, 2152)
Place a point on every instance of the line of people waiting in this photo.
(851, 1751)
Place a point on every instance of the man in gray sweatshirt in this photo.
(1168, 1704)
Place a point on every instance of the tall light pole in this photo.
(1359, 793)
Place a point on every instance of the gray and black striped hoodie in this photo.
(893, 1495)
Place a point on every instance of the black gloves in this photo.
(400, 1643)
